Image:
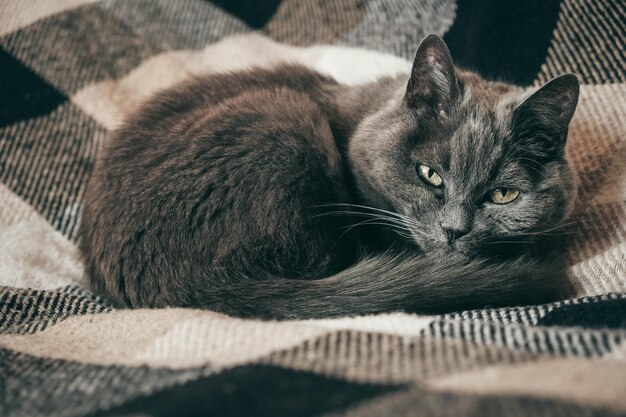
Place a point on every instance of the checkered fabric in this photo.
(70, 70)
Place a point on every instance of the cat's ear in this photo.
(547, 112)
(433, 81)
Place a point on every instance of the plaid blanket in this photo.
(71, 69)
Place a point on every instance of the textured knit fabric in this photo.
(71, 70)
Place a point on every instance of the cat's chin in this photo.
(455, 251)
(438, 247)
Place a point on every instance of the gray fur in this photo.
(239, 193)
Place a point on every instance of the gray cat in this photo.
(280, 193)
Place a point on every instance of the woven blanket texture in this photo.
(70, 70)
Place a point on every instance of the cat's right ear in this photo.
(433, 83)
(548, 111)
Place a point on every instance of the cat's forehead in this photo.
(480, 142)
(476, 133)
(483, 117)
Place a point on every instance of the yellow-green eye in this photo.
(429, 175)
(503, 195)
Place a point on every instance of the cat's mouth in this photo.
(463, 246)
(431, 245)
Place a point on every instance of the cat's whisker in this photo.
(361, 207)
(546, 234)
(546, 231)
(386, 213)
(403, 235)
(497, 242)
(380, 222)
(372, 216)
(356, 213)
(553, 231)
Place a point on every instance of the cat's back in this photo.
(202, 175)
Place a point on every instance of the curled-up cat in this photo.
(280, 193)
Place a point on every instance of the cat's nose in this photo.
(454, 230)
(456, 221)
(453, 233)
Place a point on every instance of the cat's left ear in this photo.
(433, 82)
(548, 111)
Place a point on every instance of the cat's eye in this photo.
(502, 195)
(429, 175)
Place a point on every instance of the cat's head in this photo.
(465, 161)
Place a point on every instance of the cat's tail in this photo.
(416, 283)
